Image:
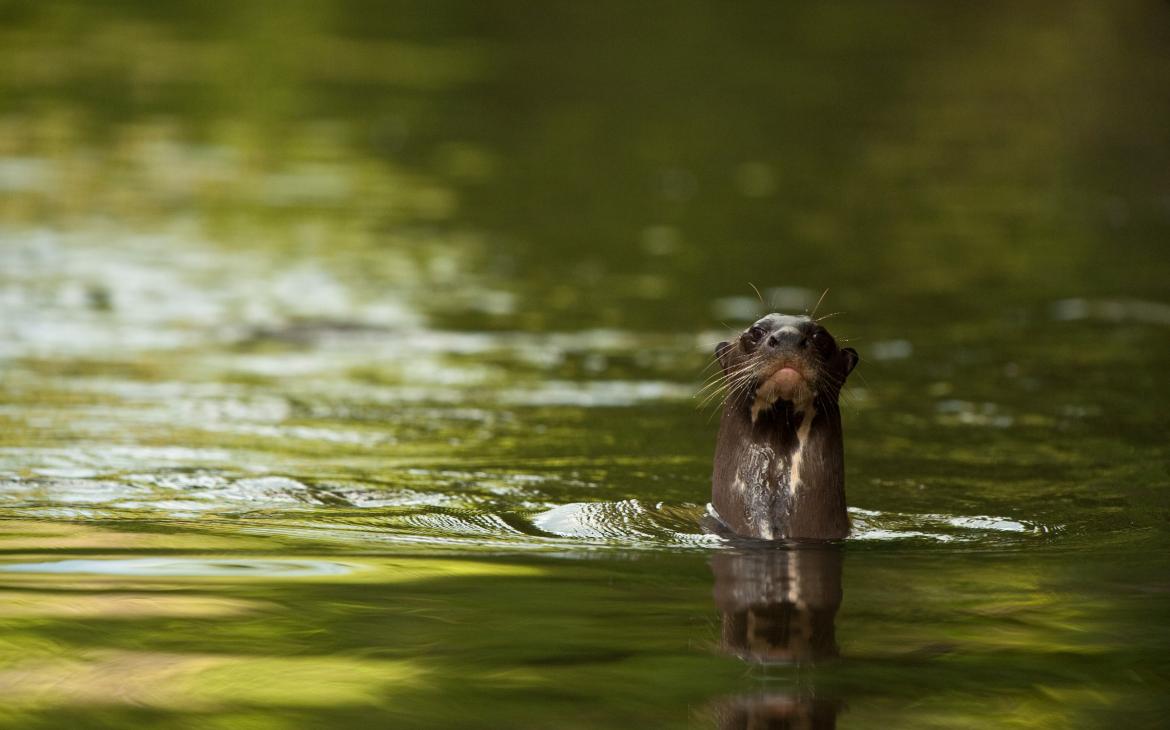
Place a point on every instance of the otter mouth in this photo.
(786, 380)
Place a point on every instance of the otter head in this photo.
(784, 359)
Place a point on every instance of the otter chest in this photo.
(768, 479)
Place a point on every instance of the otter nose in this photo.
(787, 337)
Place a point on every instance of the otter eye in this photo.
(755, 332)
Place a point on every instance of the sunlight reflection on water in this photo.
(188, 567)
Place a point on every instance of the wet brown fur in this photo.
(779, 466)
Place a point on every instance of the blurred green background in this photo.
(380, 324)
(617, 164)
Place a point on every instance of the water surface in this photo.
(349, 356)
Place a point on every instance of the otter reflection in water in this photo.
(779, 606)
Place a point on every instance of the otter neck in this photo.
(779, 471)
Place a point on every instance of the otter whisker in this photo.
(719, 396)
(818, 305)
(708, 366)
(721, 373)
(718, 374)
(721, 378)
(757, 291)
(725, 389)
(863, 380)
(732, 385)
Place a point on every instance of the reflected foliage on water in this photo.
(349, 355)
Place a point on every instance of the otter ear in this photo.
(851, 358)
(722, 350)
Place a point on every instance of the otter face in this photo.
(784, 358)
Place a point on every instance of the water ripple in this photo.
(476, 510)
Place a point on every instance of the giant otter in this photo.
(779, 468)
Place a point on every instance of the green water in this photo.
(349, 353)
